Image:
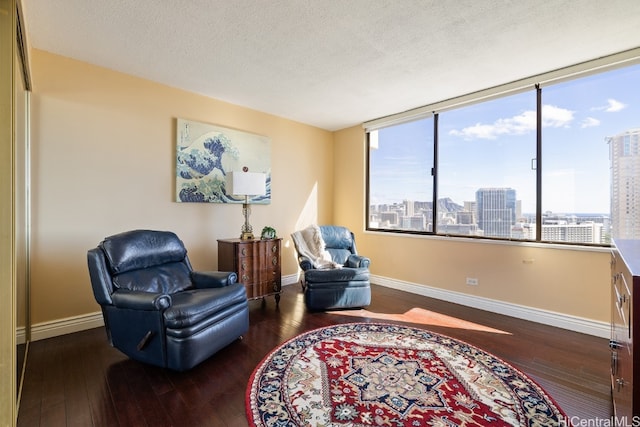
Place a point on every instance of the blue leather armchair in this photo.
(334, 288)
(156, 309)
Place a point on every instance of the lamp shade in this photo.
(246, 183)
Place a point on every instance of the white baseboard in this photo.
(559, 320)
(69, 325)
(290, 279)
(20, 335)
(41, 331)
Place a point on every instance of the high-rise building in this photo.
(496, 210)
(471, 206)
(389, 219)
(624, 154)
(585, 232)
(563, 231)
(409, 209)
(415, 222)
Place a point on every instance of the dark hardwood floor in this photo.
(79, 380)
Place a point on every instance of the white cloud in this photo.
(525, 122)
(589, 122)
(556, 117)
(478, 131)
(614, 106)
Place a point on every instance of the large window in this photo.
(484, 167)
(557, 162)
(400, 180)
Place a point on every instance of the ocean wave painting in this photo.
(206, 153)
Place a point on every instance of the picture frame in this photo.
(205, 153)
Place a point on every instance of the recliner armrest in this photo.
(213, 279)
(305, 263)
(357, 261)
(138, 300)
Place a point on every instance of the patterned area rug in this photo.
(374, 374)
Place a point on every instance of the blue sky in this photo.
(492, 144)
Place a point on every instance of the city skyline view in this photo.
(492, 144)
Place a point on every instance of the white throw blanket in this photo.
(309, 243)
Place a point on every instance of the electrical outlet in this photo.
(472, 281)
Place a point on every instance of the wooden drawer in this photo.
(267, 288)
(244, 250)
(621, 298)
(621, 375)
(256, 262)
(246, 270)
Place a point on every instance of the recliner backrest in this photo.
(148, 260)
(339, 242)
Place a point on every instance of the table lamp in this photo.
(243, 183)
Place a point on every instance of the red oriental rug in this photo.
(375, 374)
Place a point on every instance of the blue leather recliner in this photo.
(156, 309)
(337, 288)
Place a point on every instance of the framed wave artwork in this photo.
(206, 153)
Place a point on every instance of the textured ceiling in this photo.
(333, 63)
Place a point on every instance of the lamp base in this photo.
(246, 232)
(247, 235)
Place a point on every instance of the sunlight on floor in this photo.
(423, 317)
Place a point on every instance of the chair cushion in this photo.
(193, 306)
(133, 250)
(336, 237)
(338, 241)
(339, 256)
(344, 274)
(165, 279)
(326, 296)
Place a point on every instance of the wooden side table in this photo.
(257, 264)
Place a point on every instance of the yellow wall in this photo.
(103, 147)
(569, 281)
